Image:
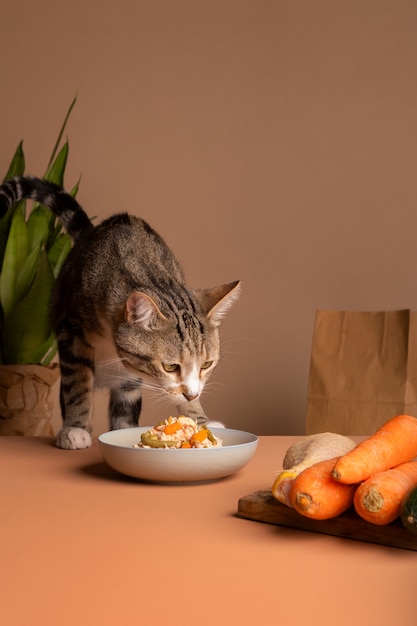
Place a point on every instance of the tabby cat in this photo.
(122, 313)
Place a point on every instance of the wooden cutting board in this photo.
(261, 506)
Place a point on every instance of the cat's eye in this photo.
(206, 365)
(171, 367)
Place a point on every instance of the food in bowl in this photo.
(178, 432)
(121, 452)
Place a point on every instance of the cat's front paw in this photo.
(73, 439)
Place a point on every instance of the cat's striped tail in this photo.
(62, 204)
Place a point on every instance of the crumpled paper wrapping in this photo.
(26, 399)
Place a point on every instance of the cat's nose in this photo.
(190, 396)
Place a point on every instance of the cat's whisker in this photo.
(233, 340)
(229, 353)
(110, 361)
(214, 388)
(151, 386)
(215, 382)
(156, 396)
(226, 361)
(155, 399)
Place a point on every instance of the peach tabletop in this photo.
(82, 545)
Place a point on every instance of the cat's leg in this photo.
(125, 404)
(77, 381)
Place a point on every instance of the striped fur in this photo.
(66, 208)
(124, 317)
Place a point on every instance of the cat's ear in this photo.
(141, 309)
(217, 301)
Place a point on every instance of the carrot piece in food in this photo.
(315, 494)
(378, 500)
(200, 435)
(395, 442)
(170, 429)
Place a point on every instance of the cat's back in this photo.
(122, 240)
(124, 231)
(118, 255)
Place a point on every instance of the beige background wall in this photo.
(271, 141)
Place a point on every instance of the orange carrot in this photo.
(186, 444)
(395, 442)
(200, 435)
(172, 428)
(379, 499)
(315, 494)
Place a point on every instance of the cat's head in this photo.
(175, 342)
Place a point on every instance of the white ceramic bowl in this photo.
(174, 465)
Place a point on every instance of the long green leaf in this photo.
(27, 326)
(16, 168)
(27, 273)
(55, 173)
(59, 252)
(61, 132)
(46, 352)
(4, 233)
(5, 223)
(17, 165)
(38, 226)
(76, 187)
(14, 256)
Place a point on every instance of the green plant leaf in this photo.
(47, 351)
(38, 227)
(58, 252)
(61, 132)
(55, 173)
(17, 165)
(14, 256)
(27, 327)
(16, 168)
(5, 222)
(4, 233)
(27, 273)
(74, 190)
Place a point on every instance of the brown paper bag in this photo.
(363, 370)
(26, 399)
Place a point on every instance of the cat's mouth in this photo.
(191, 397)
(179, 394)
(186, 390)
